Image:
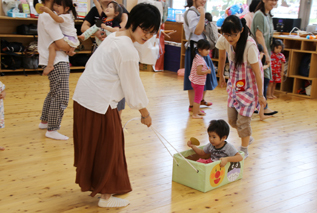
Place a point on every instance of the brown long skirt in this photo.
(99, 152)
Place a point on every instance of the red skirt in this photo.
(99, 152)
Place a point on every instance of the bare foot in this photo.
(270, 97)
(2, 148)
(82, 37)
(196, 116)
(48, 69)
(262, 118)
(201, 113)
(274, 96)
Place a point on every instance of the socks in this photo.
(113, 202)
(43, 126)
(251, 140)
(245, 150)
(55, 135)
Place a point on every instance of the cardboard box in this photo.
(209, 176)
(146, 67)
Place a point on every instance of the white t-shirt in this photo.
(111, 73)
(68, 26)
(49, 31)
(193, 20)
(250, 52)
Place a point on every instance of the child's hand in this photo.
(3, 95)
(44, 9)
(189, 143)
(223, 162)
(209, 71)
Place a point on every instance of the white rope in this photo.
(157, 134)
(175, 150)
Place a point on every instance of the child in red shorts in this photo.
(277, 63)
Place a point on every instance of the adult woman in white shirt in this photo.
(56, 100)
(111, 73)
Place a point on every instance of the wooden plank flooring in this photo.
(37, 174)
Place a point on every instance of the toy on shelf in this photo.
(311, 37)
(237, 9)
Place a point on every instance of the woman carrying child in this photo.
(198, 75)
(110, 17)
(64, 14)
(56, 100)
(245, 84)
(93, 16)
(194, 32)
(111, 73)
(2, 96)
(277, 64)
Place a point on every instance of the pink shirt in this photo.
(194, 77)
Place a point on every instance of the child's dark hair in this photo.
(146, 16)
(220, 127)
(253, 5)
(208, 16)
(261, 50)
(261, 6)
(67, 3)
(233, 24)
(117, 9)
(203, 44)
(276, 43)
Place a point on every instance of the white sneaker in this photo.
(113, 202)
(56, 135)
(43, 126)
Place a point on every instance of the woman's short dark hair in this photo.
(220, 127)
(261, 50)
(233, 24)
(276, 43)
(147, 16)
(261, 6)
(253, 5)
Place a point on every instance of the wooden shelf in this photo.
(17, 36)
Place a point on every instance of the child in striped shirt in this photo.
(198, 75)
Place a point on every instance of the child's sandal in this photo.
(203, 102)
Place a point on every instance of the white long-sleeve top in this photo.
(111, 73)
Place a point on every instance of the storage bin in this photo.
(209, 176)
(172, 57)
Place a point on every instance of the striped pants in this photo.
(56, 100)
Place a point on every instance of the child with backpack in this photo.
(64, 14)
(198, 75)
(2, 96)
(277, 64)
(245, 83)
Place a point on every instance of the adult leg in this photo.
(244, 132)
(56, 100)
(267, 110)
(211, 80)
(187, 83)
(232, 117)
(121, 106)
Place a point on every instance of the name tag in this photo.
(240, 85)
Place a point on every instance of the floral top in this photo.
(276, 62)
(241, 86)
(2, 87)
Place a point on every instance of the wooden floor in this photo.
(37, 174)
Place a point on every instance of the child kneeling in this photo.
(218, 148)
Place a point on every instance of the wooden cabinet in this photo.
(8, 33)
(294, 50)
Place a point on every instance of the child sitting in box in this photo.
(218, 148)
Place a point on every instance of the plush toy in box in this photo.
(209, 176)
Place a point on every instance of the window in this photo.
(217, 8)
(178, 4)
(313, 13)
(286, 9)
